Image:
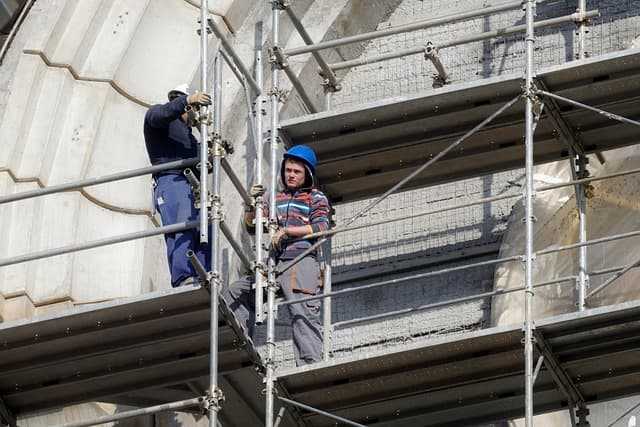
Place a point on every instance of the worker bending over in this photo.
(168, 137)
(301, 209)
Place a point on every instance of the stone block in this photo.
(17, 308)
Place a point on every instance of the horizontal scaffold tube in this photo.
(421, 25)
(403, 279)
(447, 303)
(173, 406)
(76, 185)
(47, 253)
(342, 229)
(464, 267)
(607, 114)
(318, 411)
(575, 17)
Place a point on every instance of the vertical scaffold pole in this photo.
(578, 171)
(273, 221)
(528, 318)
(204, 146)
(215, 394)
(259, 267)
(582, 30)
(578, 168)
(327, 328)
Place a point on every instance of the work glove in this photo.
(199, 98)
(254, 191)
(278, 239)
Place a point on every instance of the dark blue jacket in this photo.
(166, 136)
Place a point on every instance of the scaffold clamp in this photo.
(277, 56)
(280, 4)
(213, 401)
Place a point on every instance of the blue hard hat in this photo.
(304, 154)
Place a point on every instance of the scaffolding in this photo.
(534, 100)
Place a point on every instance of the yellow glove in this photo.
(279, 237)
(199, 98)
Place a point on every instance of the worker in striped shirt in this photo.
(302, 209)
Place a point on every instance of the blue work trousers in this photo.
(174, 200)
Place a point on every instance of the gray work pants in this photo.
(301, 280)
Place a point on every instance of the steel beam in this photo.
(562, 379)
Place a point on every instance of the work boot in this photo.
(189, 281)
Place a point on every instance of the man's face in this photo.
(294, 174)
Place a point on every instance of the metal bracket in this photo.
(209, 30)
(327, 83)
(280, 93)
(213, 401)
(280, 4)
(277, 56)
(431, 54)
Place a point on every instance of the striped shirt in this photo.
(297, 208)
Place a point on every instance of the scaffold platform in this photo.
(140, 351)
(476, 377)
(366, 149)
(153, 349)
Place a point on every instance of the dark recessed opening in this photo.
(346, 131)
(481, 103)
(372, 171)
(601, 78)
(186, 355)
(564, 153)
(341, 381)
(566, 107)
(507, 145)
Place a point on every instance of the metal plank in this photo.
(444, 381)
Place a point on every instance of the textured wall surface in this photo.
(81, 73)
